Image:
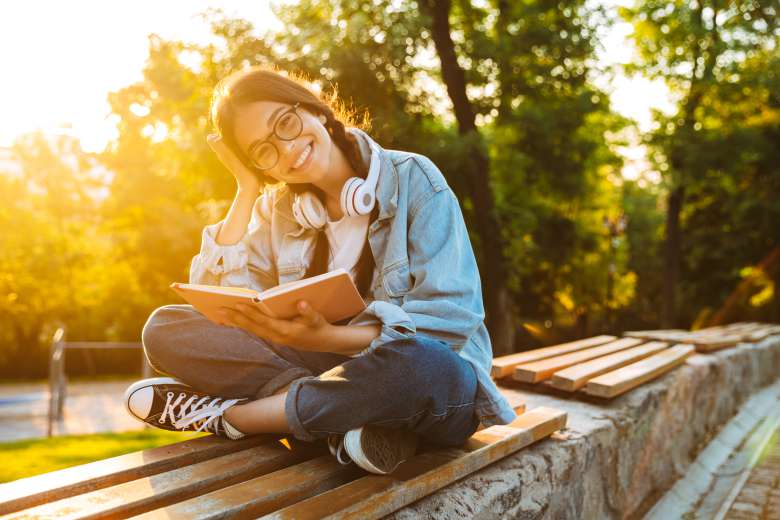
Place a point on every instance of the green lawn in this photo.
(31, 457)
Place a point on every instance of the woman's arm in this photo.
(248, 187)
(224, 258)
(237, 219)
(350, 339)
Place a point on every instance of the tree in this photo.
(691, 45)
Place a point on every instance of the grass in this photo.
(20, 459)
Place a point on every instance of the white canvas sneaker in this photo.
(169, 404)
(374, 448)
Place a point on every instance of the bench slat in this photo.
(504, 365)
(263, 494)
(29, 492)
(624, 379)
(138, 496)
(377, 495)
(575, 377)
(544, 369)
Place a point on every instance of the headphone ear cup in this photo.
(309, 211)
(358, 196)
(348, 192)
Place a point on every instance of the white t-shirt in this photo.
(346, 238)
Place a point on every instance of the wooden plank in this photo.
(575, 377)
(654, 334)
(264, 494)
(544, 369)
(138, 496)
(624, 379)
(504, 365)
(55, 485)
(707, 339)
(375, 496)
(762, 334)
(28, 492)
(717, 343)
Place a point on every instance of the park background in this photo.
(586, 217)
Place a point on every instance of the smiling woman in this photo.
(415, 363)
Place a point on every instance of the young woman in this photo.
(314, 195)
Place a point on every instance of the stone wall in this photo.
(617, 457)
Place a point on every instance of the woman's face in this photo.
(254, 124)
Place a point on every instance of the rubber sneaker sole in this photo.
(380, 450)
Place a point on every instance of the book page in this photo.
(290, 286)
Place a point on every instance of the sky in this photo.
(60, 59)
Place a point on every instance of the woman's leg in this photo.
(418, 384)
(224, 361)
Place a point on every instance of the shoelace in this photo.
(339, 451)
(192, 411)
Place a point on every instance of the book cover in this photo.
(332, 294)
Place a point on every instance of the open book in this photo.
(332, 294)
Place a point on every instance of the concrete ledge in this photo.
(615, 459)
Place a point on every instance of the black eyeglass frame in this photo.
(292, 110)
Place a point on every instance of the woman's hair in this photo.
(264, 84)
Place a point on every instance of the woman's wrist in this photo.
(349, 339)
(236, 222)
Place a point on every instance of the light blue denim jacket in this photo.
(425, 280)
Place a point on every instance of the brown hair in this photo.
(265, 84)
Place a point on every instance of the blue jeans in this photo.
(418, 384)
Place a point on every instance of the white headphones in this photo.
(358, 197)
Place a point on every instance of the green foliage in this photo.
(94, 241)
(722, 61)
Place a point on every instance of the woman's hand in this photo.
(247, 181)
(307, 331)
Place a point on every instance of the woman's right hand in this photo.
(247, 181)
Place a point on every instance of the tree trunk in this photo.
(498, 306)
(701, 74)
(775, 313)
(672, 257)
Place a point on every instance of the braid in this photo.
(347, 143)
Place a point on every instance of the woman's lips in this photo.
(307, 160)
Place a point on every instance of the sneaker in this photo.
(374, 448)
(169, 404)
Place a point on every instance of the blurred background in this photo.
(618, 163)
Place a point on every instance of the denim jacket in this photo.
(425, 278)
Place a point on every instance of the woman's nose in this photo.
(285, 147)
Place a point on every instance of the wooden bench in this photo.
(261, 476)
(57, 378)
(606, 367)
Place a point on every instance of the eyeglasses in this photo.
(264, 155)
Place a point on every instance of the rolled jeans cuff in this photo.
(281, 380)
(291, 411)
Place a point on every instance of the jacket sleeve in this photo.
(248, 263)
(445, 299)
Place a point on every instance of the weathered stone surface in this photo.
(615, 458)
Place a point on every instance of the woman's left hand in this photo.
(307, 331)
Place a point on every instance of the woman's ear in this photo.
(322, 118)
